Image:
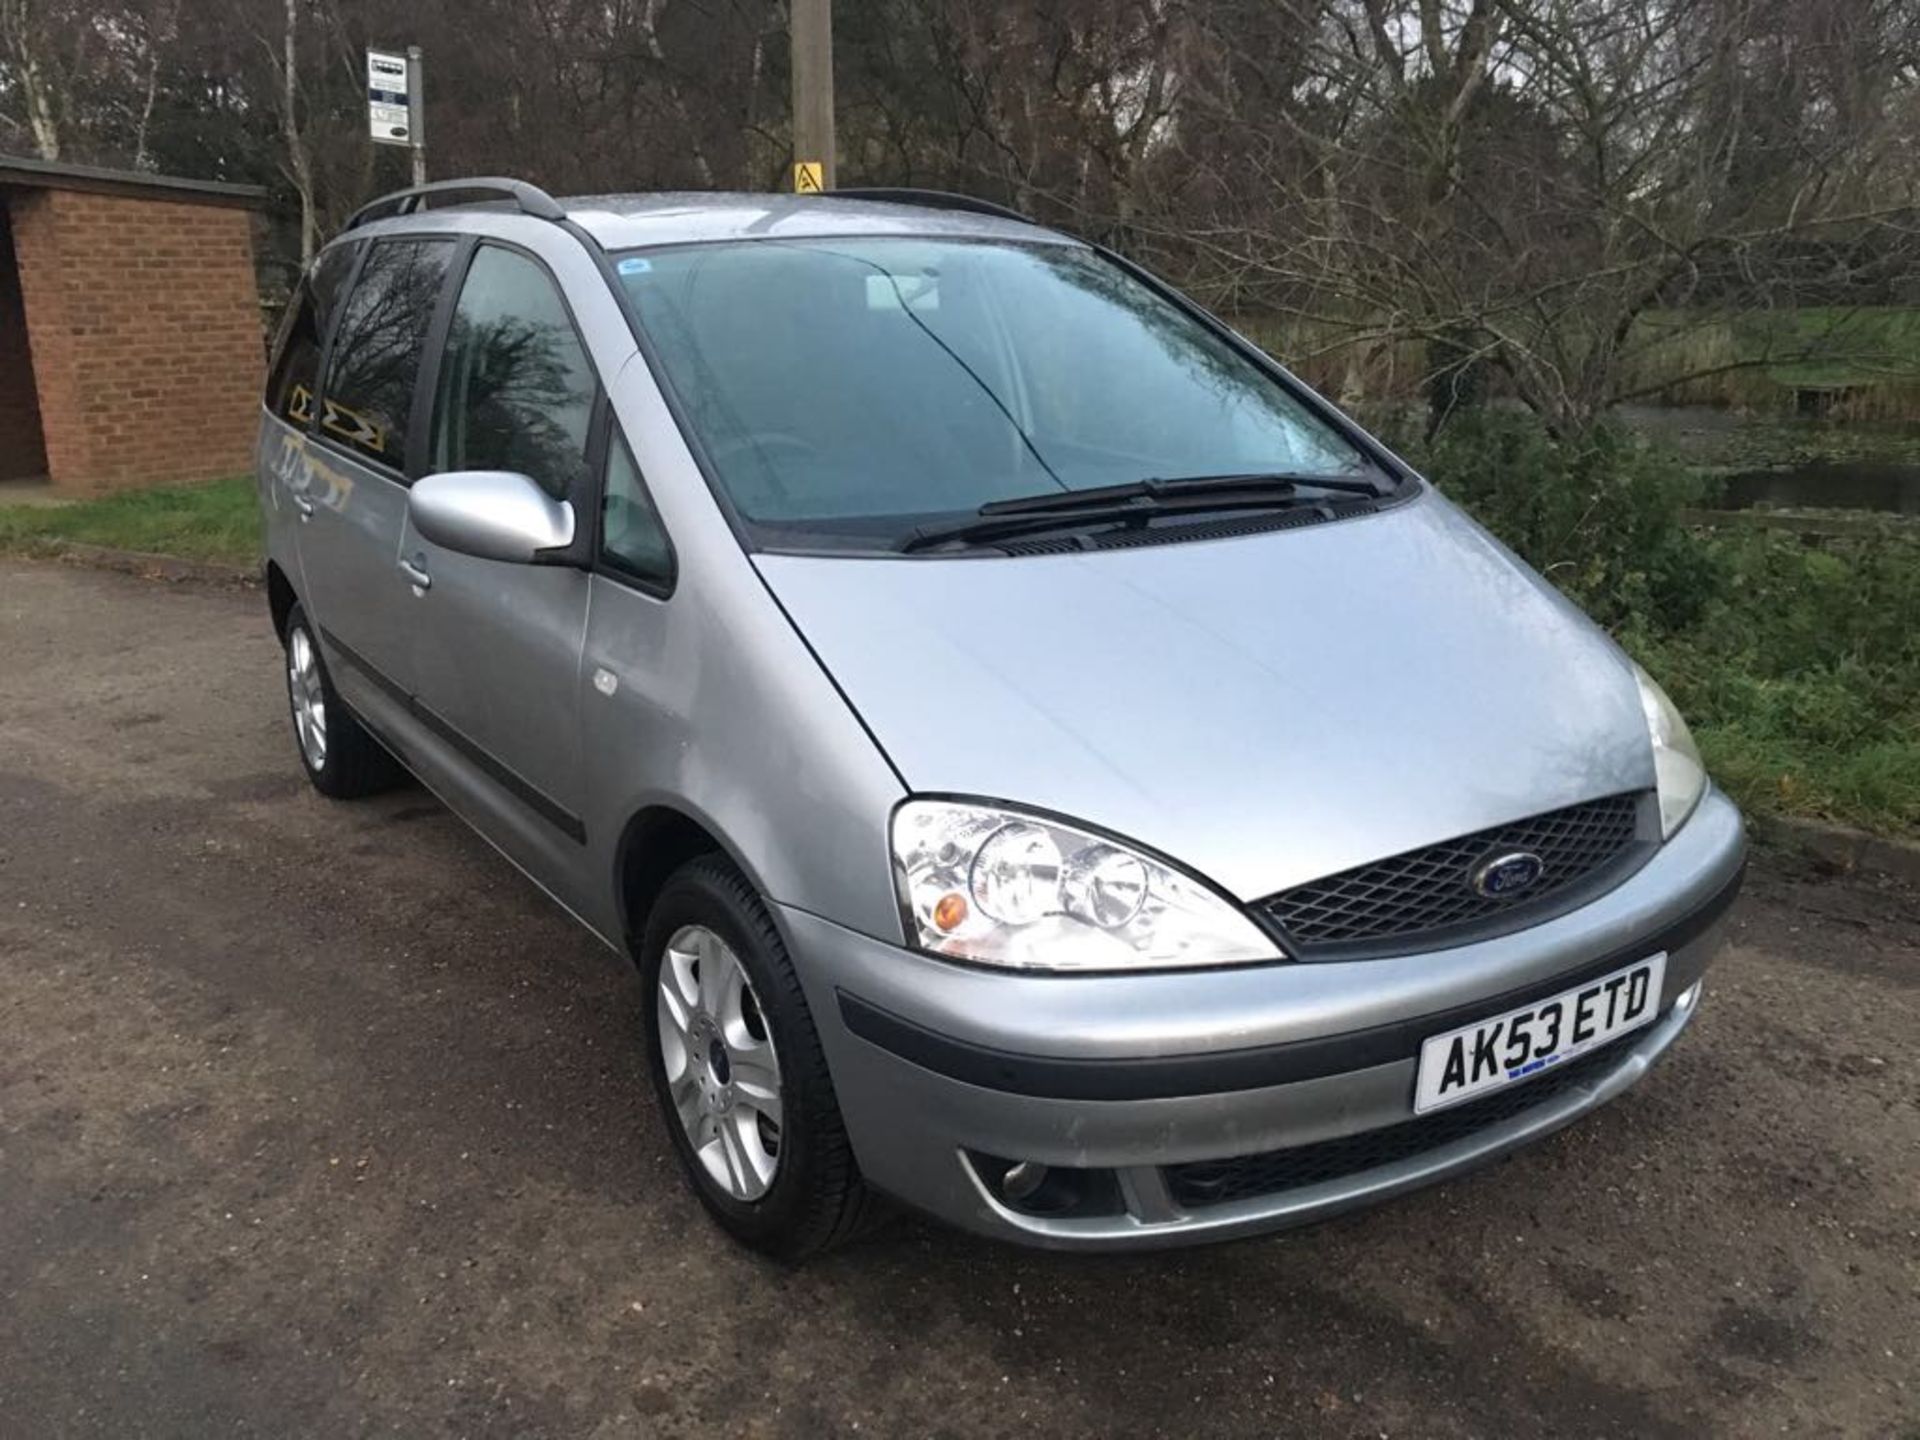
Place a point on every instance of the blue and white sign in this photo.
(389, 113)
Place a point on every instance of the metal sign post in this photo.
(395, 103)
(417, 107)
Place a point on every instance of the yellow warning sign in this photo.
(808, 177)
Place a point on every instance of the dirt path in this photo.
(317, 1119)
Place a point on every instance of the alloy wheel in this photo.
(720, 1064)
(309, 697)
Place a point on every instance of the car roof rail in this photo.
(931, 200)
(530, 199)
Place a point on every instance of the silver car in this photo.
(1049, 766)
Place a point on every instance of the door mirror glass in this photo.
(494, 514)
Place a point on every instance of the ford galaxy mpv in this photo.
(1049, 766)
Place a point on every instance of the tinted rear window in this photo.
(368, 395)
(296, 366)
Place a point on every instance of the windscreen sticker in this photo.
(351, 425)
(634, 265)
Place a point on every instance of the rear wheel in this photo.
(739, 1072)
(342, 760)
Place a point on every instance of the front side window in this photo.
(851, 389)
(368, 394)
(631, 536)
(295, 375)
(516, 387)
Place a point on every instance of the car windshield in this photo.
(848, 390)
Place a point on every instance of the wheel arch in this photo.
(656, 841)
(281, 597)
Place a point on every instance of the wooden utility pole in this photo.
(812, 45)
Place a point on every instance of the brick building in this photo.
(130, 340)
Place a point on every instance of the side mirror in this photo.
(494, 514)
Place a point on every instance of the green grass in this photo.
(1827, 742)
(218, 521)
(1801, 674)
(1819, 346)
(1867, 356)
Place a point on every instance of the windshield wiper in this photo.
(1155, 488)
(1134, 503)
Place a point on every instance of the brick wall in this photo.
(21, 453)
(145, 327)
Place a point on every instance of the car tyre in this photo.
(708, 920)
(341, 758)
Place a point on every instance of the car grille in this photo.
(1201, 1183)
(1424, 898)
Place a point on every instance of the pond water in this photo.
(1791, 463)
(1827, 484)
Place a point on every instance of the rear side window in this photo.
(296, 361)
(376, 355)
(516, 387)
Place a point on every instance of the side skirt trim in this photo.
(535, 799)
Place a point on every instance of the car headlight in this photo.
(1680, 776)
(999, 887)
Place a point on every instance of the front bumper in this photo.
(1130, 1077)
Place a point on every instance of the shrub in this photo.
(1802, 676)
(1599, 515)
(1797, 663)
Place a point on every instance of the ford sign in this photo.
(1507, 874)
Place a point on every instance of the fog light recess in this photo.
(1022, 1180)
(1049, 1191)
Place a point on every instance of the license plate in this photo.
(1511, 1048)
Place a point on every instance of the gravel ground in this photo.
(318, 1119)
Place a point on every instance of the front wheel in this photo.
(739, 1072)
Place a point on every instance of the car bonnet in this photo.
(1264, 709)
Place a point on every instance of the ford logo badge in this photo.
(1505, 874)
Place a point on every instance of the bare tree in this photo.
(155, 31)
(1523, 182)
(1539, 197)
(286, 95)
(43, 44)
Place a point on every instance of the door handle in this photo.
(304, 506)
(416, 576)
